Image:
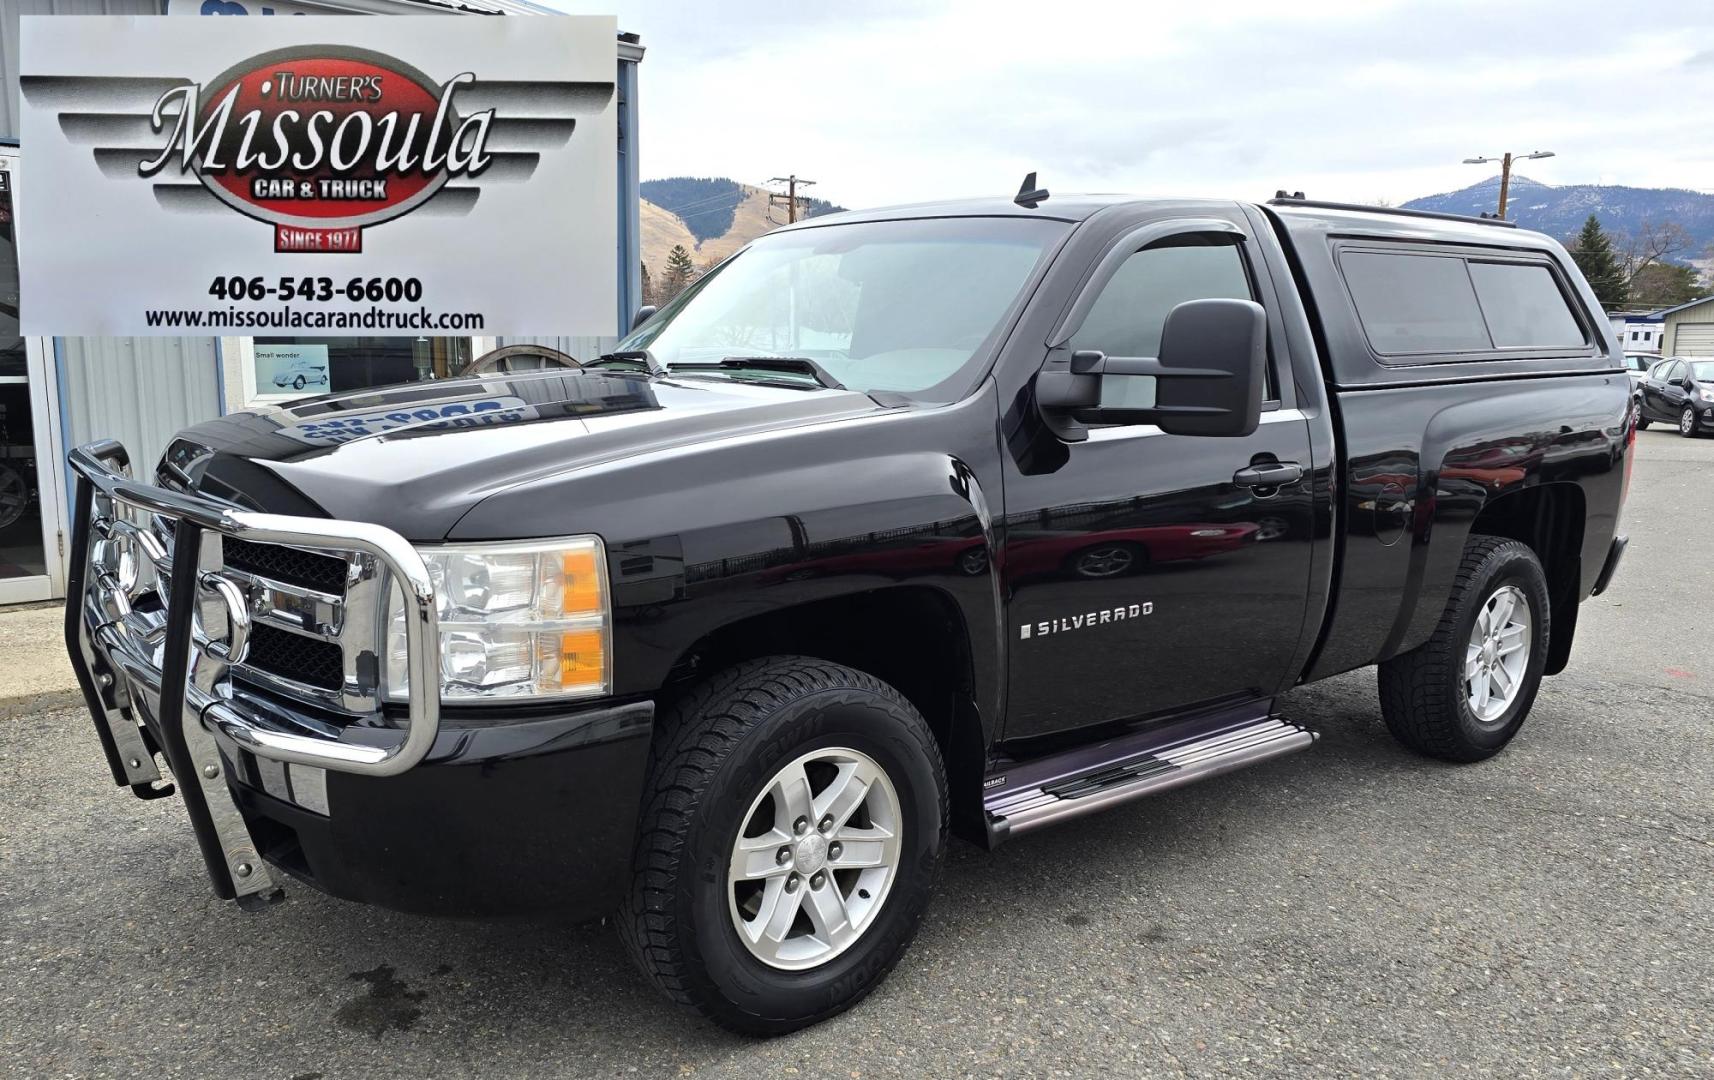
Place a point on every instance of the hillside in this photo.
(712, 217)
(1560, 211)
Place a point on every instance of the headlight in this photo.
(516, 620)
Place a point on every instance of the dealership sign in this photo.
(346, 176)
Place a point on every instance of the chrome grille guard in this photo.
(152, 679)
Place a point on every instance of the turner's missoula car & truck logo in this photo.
(320, 141)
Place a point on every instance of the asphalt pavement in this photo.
(1352, 910)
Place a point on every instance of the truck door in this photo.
(1148, 573)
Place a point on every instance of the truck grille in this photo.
(294, 566)
(315, 617)
(297, 658)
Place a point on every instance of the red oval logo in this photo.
(321, 136)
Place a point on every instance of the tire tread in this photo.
(693, 737)
(1416, 690)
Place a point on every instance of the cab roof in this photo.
(1294, 213)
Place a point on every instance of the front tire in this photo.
(1687, 422)
(1463, 694)
(298, 383)
(794, 820)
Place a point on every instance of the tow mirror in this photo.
(1207, 380)
(644, 314)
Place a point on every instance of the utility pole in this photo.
(1505, 161)
(792, 183)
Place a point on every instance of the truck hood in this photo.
(417, 457)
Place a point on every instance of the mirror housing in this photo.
(643, 315)
(1208, 378)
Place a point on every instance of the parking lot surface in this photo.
(1349, 910)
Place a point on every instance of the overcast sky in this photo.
(889, 101)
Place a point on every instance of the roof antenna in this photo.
(1029, 196)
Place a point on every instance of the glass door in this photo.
(30, 499)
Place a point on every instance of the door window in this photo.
(1128, 316)
(11, 342)
(23, 550)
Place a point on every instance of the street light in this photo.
(1505, 161)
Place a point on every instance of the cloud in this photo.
(893, 101)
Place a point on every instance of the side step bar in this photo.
(1045, 790)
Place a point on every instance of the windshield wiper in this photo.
(642, 358)
(789, 365)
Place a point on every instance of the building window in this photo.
(294, 367)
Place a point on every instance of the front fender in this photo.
(704, 537)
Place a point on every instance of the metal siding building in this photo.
(137, 390)
(1689, 329)
(66, 391)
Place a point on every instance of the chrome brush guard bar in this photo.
(153, 679)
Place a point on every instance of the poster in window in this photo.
(291, 369)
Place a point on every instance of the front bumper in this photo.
(482, 813)
(519, 814)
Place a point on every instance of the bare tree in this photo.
(1649, 245)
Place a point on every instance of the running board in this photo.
(1045, 790)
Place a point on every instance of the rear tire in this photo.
(715, 788)
(1438, 698)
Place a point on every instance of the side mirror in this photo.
(1208, 378)
(643, 315)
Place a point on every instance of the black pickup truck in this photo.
(975, 516)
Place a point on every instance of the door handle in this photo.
(1269, 474)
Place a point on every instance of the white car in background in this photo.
(302, 373)
(1637, 365)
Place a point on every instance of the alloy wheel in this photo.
(1497, 654)
(1687, 421)
(814, 859)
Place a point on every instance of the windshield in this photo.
(1702, 370)
(901, 306)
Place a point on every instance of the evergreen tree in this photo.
(648, 288)
(680, 272)
(1593, 253)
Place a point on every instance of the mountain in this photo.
(710, 216)
(1560, 211)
